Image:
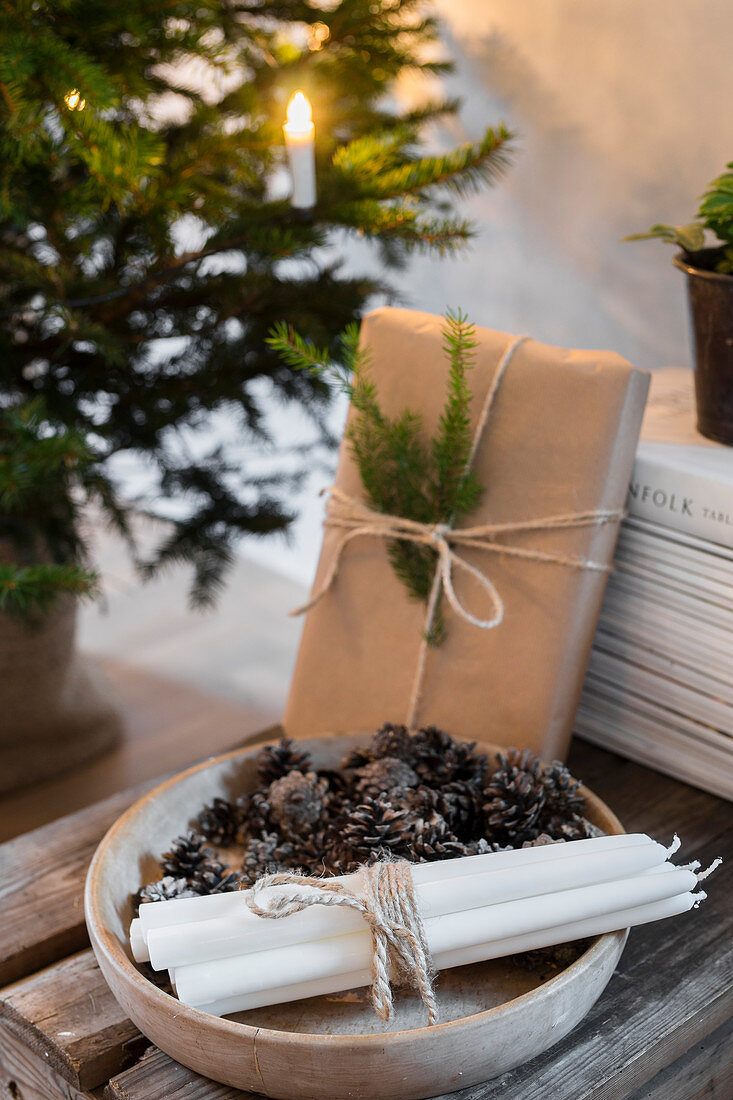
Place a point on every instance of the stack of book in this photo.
(660, 680)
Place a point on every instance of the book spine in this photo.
(681, 500)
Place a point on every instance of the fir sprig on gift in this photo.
(403, 473)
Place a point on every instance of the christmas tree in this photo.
(46, 472)
(145, 252)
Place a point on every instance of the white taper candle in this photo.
(594, 926)
(204, 982)
(163, 914)
(243, 932)
(299, 134)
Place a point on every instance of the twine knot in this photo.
(439, 533)
(399, 948)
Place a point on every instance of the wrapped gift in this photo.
(555, 437)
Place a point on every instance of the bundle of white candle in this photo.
(224, 958)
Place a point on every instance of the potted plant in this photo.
(55, 707)
(707, 260)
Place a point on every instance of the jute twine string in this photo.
(358, 520)
(389, 908)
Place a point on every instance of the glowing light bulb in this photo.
(318, 37)
(299, 116)
(74, 101)
(299, 138)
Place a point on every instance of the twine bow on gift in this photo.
(358, 520)
(389, 908)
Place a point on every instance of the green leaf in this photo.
(689, 237)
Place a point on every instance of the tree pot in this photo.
(56, 710)
(711, 309)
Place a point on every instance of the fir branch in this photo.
(42, 472)
(455, 485)
(403, 474)
(29, 591)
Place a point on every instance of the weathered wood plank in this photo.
(67, 1016)
(674, 984)
(42, 887)
(23, 1076)
(672, 990)
(706, 1071)
(157, 1076)
(42, 882)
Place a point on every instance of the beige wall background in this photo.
(625, 111)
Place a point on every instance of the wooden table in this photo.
(661, 1030)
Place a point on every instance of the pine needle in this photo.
(403, 473)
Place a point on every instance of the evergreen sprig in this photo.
(46, 472)
(403, 473)
(30, 591)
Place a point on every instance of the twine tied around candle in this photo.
(389, 908)
(358, 520)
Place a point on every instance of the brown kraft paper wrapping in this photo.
(560, 438)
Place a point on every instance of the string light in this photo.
(299, 116)
(318, 37)
(74, 101)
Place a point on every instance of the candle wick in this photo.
(713, 867)
(674, 846)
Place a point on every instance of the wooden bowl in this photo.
(496, 1016)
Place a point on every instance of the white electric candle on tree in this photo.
(299, 138)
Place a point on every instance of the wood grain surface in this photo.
(67, 1015)
(661, 1031)
(41, 886)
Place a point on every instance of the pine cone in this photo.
(187, 857)
(460, 804)
(374, 826)
(562, 791)
(255, 810)
(389, 740)
(427, 834)
(297, 801)
(393, 741)
(515, 798)
(383, 775)
(339, 786)
(356, 758)
(482, 847)
(439, 759)
(266, 855)
(559, 828)
(564, 805)
(165, 889)
(541, 840)
(311, 854)
(220, 822)
(275, 761)
(216, 879)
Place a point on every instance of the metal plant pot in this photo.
(711, 308)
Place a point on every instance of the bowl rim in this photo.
(107, 943)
